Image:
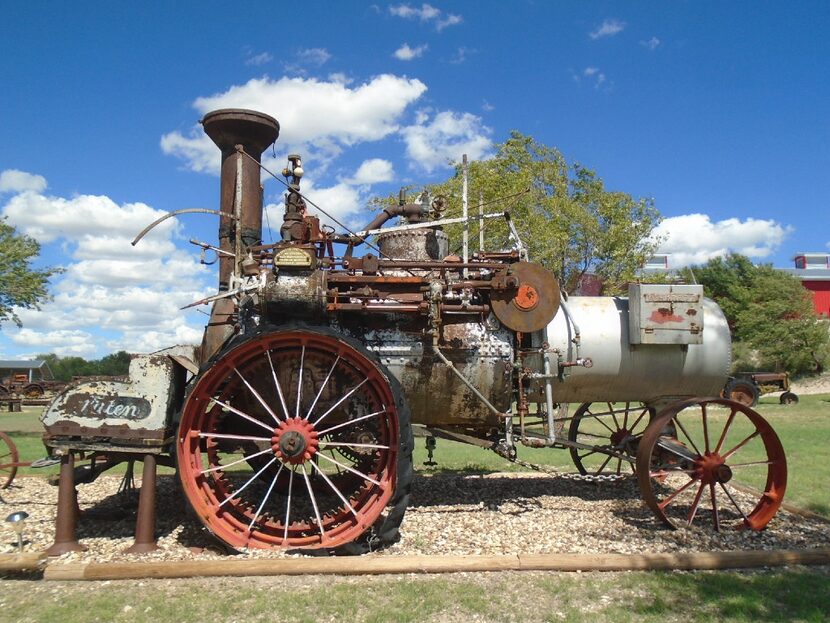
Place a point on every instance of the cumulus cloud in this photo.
(695, 238)
(427, 14)
(342, 201)
(14, 181)
(372, 171)
(595, 75)
(608, 28)
(435, 141)
(314, 115)
(651, 44)
(108, 287)
(406, 53)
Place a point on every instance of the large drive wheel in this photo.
(689, 455)
(788, 398)
(743, 391)
(607, 426)
(8, 460)
(296, 438)
(33, 391)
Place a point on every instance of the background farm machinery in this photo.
(291, 426)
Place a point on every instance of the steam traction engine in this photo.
(295, 427)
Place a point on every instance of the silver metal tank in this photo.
(623, 371)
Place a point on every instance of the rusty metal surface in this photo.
(533, 305)
(665, 314)
(416, 245)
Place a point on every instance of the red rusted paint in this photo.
(664, 315)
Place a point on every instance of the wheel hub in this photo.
(295, 441)
(712, 468)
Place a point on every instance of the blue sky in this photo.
(718, 111)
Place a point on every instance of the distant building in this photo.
(813, 269)
(34, 369)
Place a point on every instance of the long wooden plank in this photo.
(375, 565)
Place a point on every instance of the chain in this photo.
(597, 478)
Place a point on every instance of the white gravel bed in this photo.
(505, 513)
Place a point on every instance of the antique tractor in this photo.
(292, 425)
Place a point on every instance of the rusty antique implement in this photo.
(291, 426)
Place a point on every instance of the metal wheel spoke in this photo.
(625, 417)
(639, 417)
(339, 402)
(237, 462)
(245, 486)
(751, 464)
(288, 502)
(619, 466)
(613, 415)
(726, 426)
(351, 469)
(242, 414)
(694, 447)
(350, 422)
(584, 434)
(354, 445)
(277, 385)
(715, 515)
(300, 382)
(335, 489)
(741, 445)
(734, 503)
(604, 463)
(257, 396)
(705, 427)
(313, 501)
(229, 436)
(265, 498)
(610, 430)
(664, 504)
(695, 504)
(322, 387)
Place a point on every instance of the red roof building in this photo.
(814, 271)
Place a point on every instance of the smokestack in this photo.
(254, 132)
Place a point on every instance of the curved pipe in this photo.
(176, 213)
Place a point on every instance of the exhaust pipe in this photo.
(240, 194)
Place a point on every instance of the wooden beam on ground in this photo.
(376, 565)
(30, 561)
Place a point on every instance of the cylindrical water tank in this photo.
(622, 371)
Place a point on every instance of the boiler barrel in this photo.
(623, 371)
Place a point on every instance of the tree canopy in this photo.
(64, 368)
(769, 310)
(21, 285)
(563, 213)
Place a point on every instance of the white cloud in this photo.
(314, 115)
(108, 285)
(314, 56)
(259, 59)
(594, 75)
(62, 343)
(14, 181)
(652, 44)
(461, 54)
(608, 28)
(406, 53)
(343, 201)
(449, 135)
(372, 171)
(695, 239)
(427, 14)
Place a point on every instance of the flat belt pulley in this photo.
(532, 305)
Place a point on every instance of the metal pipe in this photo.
(466, 233)
(461, 377)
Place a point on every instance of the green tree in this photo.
(769, 311)
(21, 285)
(565, 216)
(64, 368)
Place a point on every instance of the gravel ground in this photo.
(449, 514)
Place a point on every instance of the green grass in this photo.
(794, 595)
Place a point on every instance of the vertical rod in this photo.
(66, 539)
(481, 222)
(145, 522)
(464, 213)
(237, 212)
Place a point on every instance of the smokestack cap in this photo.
(229, 127)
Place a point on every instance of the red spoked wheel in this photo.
(608, 427)
(690, 456)
(295, 439)
(9, 460)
